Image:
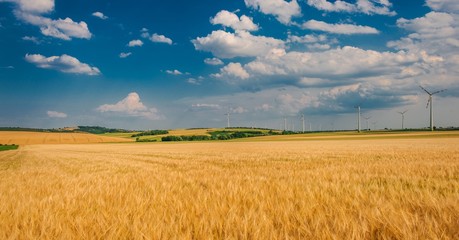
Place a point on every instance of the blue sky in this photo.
(180, 64)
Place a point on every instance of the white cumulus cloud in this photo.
(233, 70)
(444, 5)
(65, 29)
(99, 15)
(264, 107)
(54, 114)
(369, 7)
(31, 11)
(432, 25)
(380, 7)
(333, 67)
(32, 39)
(33, 6)
(313, 42)
(208, 106)
(240, 44)
(195, 81)
(131, 106)
(160, 39)
(174, 72)
(213, 61)
(125, 55)
(347, 29)
(155, 37)
(282, 10)
(337, 6)
(435, 33)
(229, 19)
(63, 63)
(135, 43)
(376, 95)
(309, 38)
(238, 109)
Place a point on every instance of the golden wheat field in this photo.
(317, 189)
(28, 138)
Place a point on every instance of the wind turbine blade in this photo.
(438, 91)
(428, 103)
(403, 112)
(425, 90)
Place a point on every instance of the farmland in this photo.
(209, 132)
(29, 138)
(345, 186)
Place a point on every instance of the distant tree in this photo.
(151, 133)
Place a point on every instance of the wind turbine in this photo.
(368, 126)
(285, 123)
(403, 117)
(228, 114)
(358, 117)
(302, 120)
(431, 103)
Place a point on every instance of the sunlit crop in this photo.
(320, 189)
(28, 138)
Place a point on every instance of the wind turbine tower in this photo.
(358, 117)
(285, 124)
(302, 121)
(228, 114)
(368, 125)
(431, 103)
(403, 117)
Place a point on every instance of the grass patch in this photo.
(120, 135)
(8, 147)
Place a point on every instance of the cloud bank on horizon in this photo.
(267, 58)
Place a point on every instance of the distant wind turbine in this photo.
(302, 120)
(431, 103)
(403, 117)
(368, 126)
(358, 117)
(228, 114)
